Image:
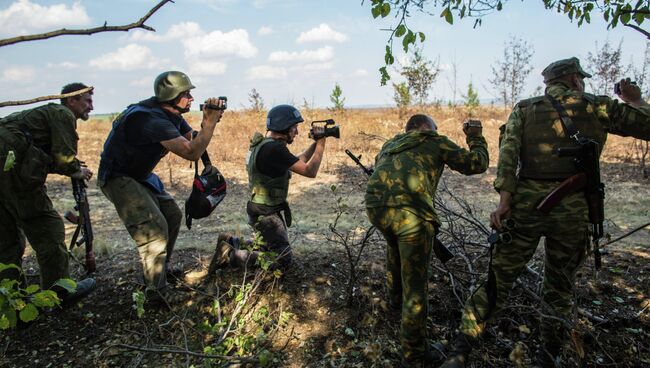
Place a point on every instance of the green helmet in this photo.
(169, 85)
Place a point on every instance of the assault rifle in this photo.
(439, 249)
(586, 156)
(82, 219)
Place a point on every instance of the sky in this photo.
(290, 51)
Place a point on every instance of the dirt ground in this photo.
(305, 318)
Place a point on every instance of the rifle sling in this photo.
(567, 124)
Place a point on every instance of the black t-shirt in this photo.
(274, 159)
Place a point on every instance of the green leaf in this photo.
(376, 11)
(625, 18)
(46, 298)
(618, 299)
(422, 37)
(349, 332)
(385, 10)
(400, 31)
(639, 17)
(597, 302)
(29, 313)
(69, 285)
(388, 57)
(264, 358)
(499, 6)
(31, 289)
(449, 17)
(333, 188)
(4, 322)
(385, 77)
(4, 266)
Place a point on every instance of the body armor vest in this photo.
(265, 189)
(543, 134)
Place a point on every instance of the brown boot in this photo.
(221, 257)
(459, 352)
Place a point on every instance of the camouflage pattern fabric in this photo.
(399, 202)
(27, 212)
(566, 227)
(153, 220)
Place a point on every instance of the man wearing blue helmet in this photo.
(269, 164)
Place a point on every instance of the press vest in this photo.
(265, 189)
(543, 134)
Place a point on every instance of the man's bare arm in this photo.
(311, 166)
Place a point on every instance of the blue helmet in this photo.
(282, 117)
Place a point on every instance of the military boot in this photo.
(434, 354)
(459, 352)
(84, 287)
(221, 257)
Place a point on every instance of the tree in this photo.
(606, 68)
(402, 97)
(510, 73)
(453, 82)
(420, 74)
(471, 100)
(614, 12)
(337, 98)
(256, 101)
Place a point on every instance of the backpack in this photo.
(208, 190)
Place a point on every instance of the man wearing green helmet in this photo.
(270, 164)
(141, 136)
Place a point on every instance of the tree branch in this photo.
(45, 98)
(639, 29)
(87, 31)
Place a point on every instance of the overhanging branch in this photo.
(46, 98)
(87, 31)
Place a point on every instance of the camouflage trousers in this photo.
(409, 240)
(29, 213)
(152, 219)
(566, 243)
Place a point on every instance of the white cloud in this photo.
(142, 82)
(217, 43)
(20, 74)
(264, 31)
(175, 32)
(130, 57)
(63, 65)
(360, 73)
(317, 66)
(207, 67)
(267, 72)
(322, 33)
(319, 55)
(259, 4)
(23, 16)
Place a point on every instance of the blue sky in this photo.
(288, 50)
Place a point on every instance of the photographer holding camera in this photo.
(399, 202)
(269, 165)
(141, 136)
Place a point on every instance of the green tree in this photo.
(421, 75)
(615, 12)
(337, 98)
(256, 101)
(471, 100)
(402, 97)
(510, 73)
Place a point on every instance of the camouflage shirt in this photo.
(614, 117)
(409, 166)
(54, 130)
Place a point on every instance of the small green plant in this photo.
(337, 98)
(471, 100)
(26, 304)
(138, 303)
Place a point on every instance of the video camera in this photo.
(617, 87)
(330, 130)
(216, 107)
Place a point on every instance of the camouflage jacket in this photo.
(612, 116)
(53, 128)
(409, 166)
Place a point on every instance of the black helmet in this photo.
(282, 117)
(208, 190)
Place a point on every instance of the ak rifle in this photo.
(82, 220)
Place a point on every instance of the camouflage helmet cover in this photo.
(563, 67)
(169, 85)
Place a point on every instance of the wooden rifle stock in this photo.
(567, 187)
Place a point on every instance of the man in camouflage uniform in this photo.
(270, 165)
(33, 143)
(141, 136)
(399, 202)
(532, 133)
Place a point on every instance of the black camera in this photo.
(471, 124)
(330, 130)
(617, 87)
(216, 107)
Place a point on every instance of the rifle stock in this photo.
(567, 187)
